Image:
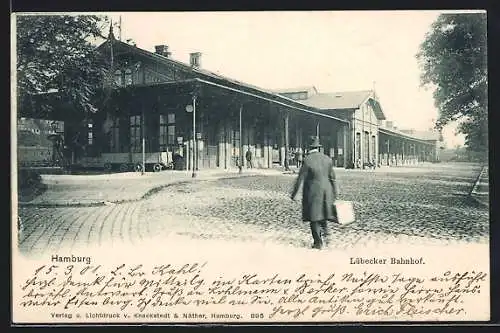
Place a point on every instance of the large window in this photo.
(135, 134)
(163, 133)
(114, 143)
(171, 134)
(167, 131)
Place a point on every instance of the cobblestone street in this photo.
(401, 205)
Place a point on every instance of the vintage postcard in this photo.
(249, 167)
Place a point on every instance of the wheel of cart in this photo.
(138, 167)
(108, 166)
(123, 167)
(157, 167)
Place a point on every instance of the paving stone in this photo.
(425, 205)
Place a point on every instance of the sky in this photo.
(333, 51)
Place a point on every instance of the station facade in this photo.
(154, 108)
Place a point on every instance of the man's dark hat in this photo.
(314, 142)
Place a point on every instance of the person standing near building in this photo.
(248, 157)
(298, 157)
(291, 156)
(318, 194)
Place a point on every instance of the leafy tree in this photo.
(56, 52)
(453, 60)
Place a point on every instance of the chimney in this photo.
(162, 50)
(194, 59)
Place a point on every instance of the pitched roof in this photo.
(344, 100)
(170, 61)
(205, 74)
(338, 100)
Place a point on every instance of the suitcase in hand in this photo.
(344, 211)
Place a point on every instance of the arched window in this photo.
(128, 77)
(118, 78)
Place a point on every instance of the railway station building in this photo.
(154, 108)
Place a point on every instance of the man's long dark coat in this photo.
(318, 192)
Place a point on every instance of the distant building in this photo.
(365, 115)
(432, 136)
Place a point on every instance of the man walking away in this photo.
(318, 194)
(248, 157)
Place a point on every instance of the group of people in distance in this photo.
(296, 156)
